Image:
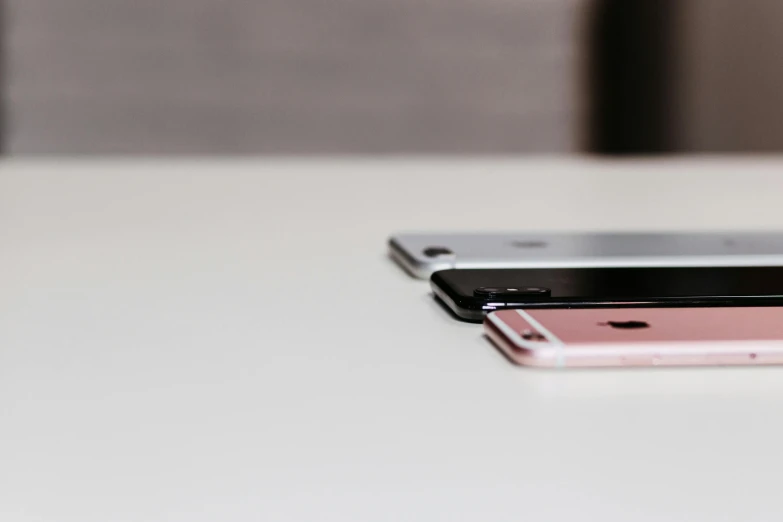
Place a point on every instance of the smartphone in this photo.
(422, 254)
(471, 294)
(639, 336)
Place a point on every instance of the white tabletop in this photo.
(200, 341)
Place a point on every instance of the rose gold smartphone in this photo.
(596, 337)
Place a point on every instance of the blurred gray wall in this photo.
(291, 76)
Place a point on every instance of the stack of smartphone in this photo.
(611, 299)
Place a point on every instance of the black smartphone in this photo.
(471, 294)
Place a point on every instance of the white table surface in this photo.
(203, 340)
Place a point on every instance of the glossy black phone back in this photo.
(606, 287)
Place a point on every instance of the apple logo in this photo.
(626, 325)
(530, 243)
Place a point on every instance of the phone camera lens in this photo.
(511, 291)
(532, 335)
(437, 251)
(487, 291)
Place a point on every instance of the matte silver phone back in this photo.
(422, 254)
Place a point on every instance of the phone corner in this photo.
(519, 354)
(411, 265)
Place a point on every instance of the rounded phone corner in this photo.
(438, 275)
(538, 354)
(471, 316)
(448, 303)
(439, 281)
(418, 268)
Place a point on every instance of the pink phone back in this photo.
(591, 326)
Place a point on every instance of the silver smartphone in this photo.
(423, 254)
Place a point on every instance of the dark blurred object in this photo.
(305, 77)
(632, 80)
